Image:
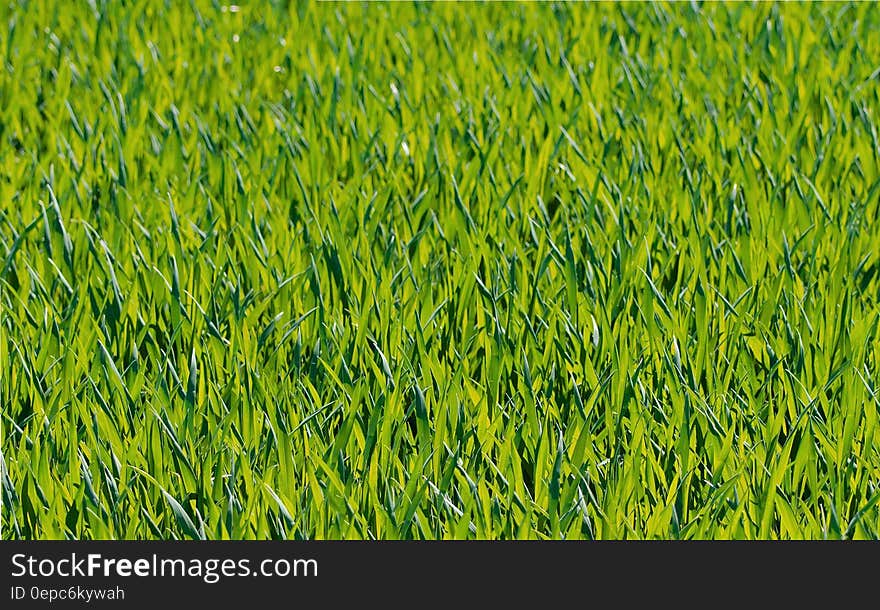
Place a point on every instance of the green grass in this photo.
(439, 270)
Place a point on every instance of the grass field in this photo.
(439, 270)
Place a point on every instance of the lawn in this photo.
(373, 271)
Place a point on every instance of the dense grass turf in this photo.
(439, 271)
